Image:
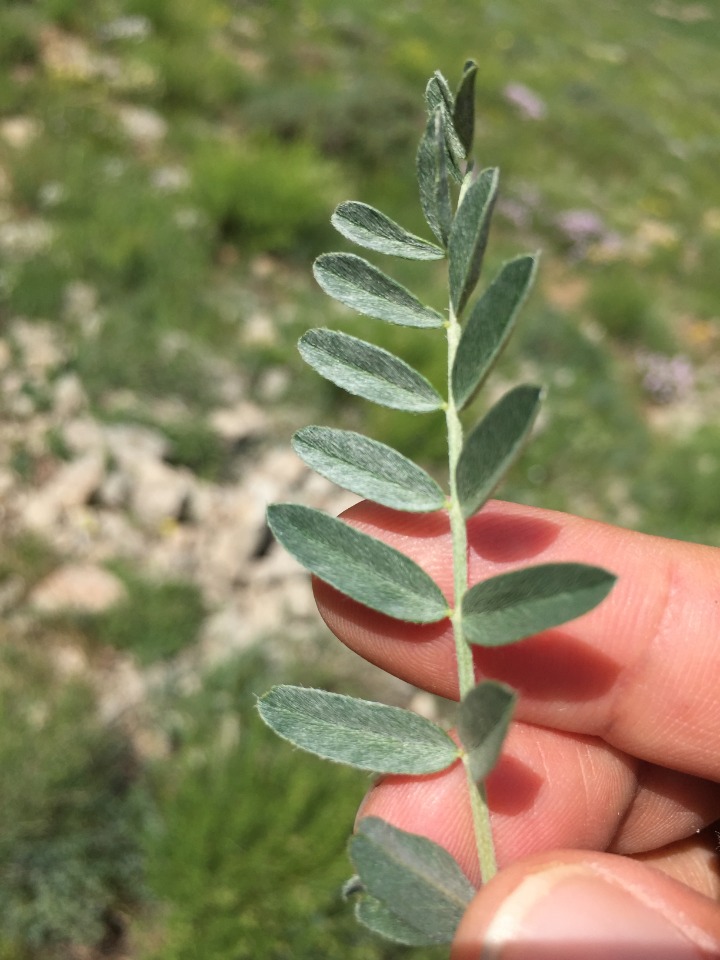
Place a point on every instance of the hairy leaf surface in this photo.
(468, 237)
(360, 285)
(368, 371)
(359, 733)
(371, 228)
(368, 468)
(439, 98)
(494, 444)
(416, 879)
(374, 915)
(464, 109)
(483, 721)
(432, 178)
(358, 565)
(489, 326)
(520, 604)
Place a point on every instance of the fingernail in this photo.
(574, 914)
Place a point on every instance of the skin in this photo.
(612, 766)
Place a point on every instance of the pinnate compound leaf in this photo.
(359, 733)
(368, 468)
(370, 228)
(432, 179)
(468, 237)
(357, 565)
(374, 915)
(520, 604)
(414, 878)
(489, 326)
(482, 723)
(368, 371)
(494, 444)
(464, 109)
(358, 284)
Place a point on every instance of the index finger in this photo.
(641, 670)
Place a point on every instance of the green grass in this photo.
(156, 620)
(70, 814)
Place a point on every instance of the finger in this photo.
(549, 790)
(570, 904)
(694, 862)
(641, 670)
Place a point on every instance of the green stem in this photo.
(465, 668)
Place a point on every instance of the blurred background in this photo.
(167, 173)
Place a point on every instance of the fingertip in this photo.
(577, 904)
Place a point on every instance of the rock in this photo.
(158, 492)
(69, 398)
(114, 491)
(19, 132)
(38, 343)
(121, 688)
(78, 587)
(239, 423)
(129, 443)
(145, 127)
(72, 486)
(226, 632)
(21, 239)
(83, 435)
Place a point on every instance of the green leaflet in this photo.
(520, 604)
(360, 733)
(358, 284)
(464, 110)
(358, 565)
(438, 94)
(432, 178)
(374, 915)
(368, 371)
(468, 237)
(439, 98)
(368, 468)
(370, 228)
(417, 880)
(483, 720)
(489, 326)
(494, 444)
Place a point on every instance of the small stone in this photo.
(157, 492)
(19, 132)
(38, 343)
(69, 398)
(129, 444)
(80, 587)
(114, 491)
(226, 632)
(145, 127)
(72, 486)
(82, 435)
(239, 423)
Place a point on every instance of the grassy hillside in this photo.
(167, 173)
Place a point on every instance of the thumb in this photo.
(579, 905)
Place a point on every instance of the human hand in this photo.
(609, 778)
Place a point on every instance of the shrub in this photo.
(156, 621)
(70, 815)
(266, 195)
